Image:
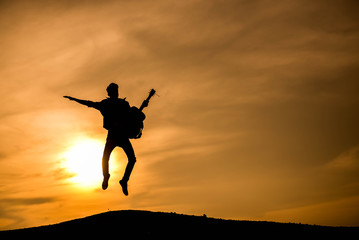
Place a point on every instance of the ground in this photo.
(159, 225)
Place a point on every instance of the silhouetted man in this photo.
(114, 111)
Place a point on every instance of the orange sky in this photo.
(257, 116)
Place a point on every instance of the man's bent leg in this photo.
(127, 147)
(128, 170)
(105, 159)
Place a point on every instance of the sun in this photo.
(83, 161)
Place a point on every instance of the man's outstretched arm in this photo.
(83, 102)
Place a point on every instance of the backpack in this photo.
(135, 123)
(136, 118)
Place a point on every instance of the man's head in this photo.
(112, 90)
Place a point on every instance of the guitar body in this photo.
(135, 124)
(136, 118)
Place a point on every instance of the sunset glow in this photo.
(83, 160)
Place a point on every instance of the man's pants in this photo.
(125, 144)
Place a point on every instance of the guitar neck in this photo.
(145, 102)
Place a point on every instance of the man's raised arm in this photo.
(83, 102)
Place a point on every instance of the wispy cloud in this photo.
(13, 210)
(27, 201)
(328, 213)
(348, 161)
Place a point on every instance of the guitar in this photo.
(136, 118)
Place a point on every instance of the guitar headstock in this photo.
(145, 103)
(152, 92)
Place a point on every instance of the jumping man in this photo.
(114, 111)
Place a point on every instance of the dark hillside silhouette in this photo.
(130, 224)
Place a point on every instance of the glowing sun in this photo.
(83, 161)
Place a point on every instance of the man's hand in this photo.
(70, 98)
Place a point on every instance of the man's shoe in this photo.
(105, 182)
(123, 184)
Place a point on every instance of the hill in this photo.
(159, 225)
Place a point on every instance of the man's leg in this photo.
(128, 149)
(110, 145)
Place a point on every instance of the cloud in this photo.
(27, 201)
(62, 174)
(330, 213)
(13, 210)
(348, 160)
